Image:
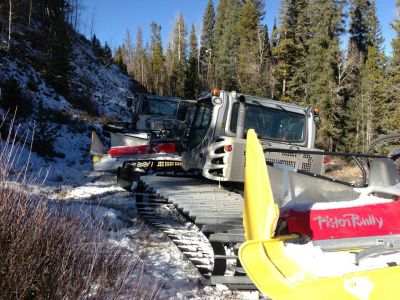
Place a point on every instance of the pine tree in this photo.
(14, 100)
(119, 59)
(326, 19)
(393, 123)
(266, 80)
(226, 42)
(206, 47)
(296, 86)
(96, 46)
(274, 86)
(192, 75)
(179, 57)
(157, 60)
(248, 29)
(274, 36)
(364, 94)
(373, 96)
(291, 50)
(284, 51)
(260, 7)
(107, 54)
(61, 50)
(358, 26)
(374, 34)
(45, 135)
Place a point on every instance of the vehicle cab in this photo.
(152, 112)
(216, 141)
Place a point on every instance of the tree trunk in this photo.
(30, 13)
(9, 25)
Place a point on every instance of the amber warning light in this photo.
(215, 92)
(316, 111)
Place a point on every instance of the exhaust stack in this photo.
(241, 117)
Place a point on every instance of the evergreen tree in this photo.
(364, 96)
(374, 34)
(393, 123)
(296, 86)
(248, 32)
(14, 100)
(358, 26)
(266, 80)
(226, 42)
(206, 47)
(192, 75)
(291, 50)
(260, 7)
(96, 46)
(179, 57)
(169, 76)
(157, 60)
(45, 135)
(61, 51)
(119, 59)
(107, 54)
(274, 36)
(284, 51)
(326, 19)
(373, 96)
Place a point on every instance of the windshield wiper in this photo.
(267, 107)
(260, 105)
(281, 107)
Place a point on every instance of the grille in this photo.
(156, 165)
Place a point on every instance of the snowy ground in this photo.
(164, 265)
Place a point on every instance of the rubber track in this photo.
(195, 213)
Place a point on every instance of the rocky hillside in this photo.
(61, 116)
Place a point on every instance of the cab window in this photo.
(270, 123)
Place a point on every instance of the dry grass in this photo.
(47, 252)
(344, 170)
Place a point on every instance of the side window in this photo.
(201, 122)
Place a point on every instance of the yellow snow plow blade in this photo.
(279, 276)
(260, 208)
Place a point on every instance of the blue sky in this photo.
(111, 19)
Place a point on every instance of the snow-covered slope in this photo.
(106, 86)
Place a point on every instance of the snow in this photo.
(114, 208)
(360, 201)
(326, 264)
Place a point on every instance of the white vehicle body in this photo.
(216, 142)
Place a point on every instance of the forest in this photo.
(300, 60)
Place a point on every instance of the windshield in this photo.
(160, 107)
(269, 123)
(200, 124)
